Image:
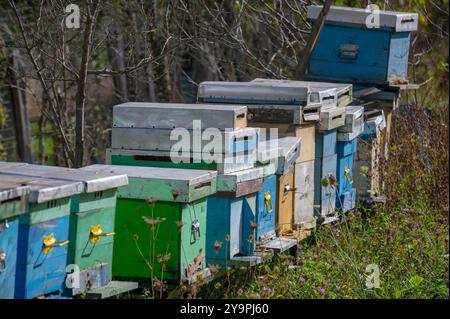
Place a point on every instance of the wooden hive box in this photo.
(92, 217)
(303, 195)
(331, 118)
(367, 173)
(325, 195)
(349, 51)
(345, 159)
(347, 201)
(43, 235)
(177, 115)
(263, 214)
(235, 195)
(343, 91)
(180, 139)
(346, 148)
(223, 163)
(13, 203)
(304, 217)
(283, 152)
(175, 202)
(325, 144)
(266, 102)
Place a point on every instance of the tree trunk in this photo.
(81, 85)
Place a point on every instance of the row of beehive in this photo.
(228, 211)
(70, 213)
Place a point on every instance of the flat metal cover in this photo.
(340, 87)
(41, 189)
(251, 93)
(283, 147)
(155, 173)
(173, 115)
(93, 181)
(241, 176)
(399, 21)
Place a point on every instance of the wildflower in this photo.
(153, 222)
(322, 291)
(213, 269)
(325, 182)
(158, 284)
(417, 225)
(150, 201)
(332, 181)
(217, 246)
(218, 285)
(316, 257)
(179, 225)
(406, 209)
(199, 278)
(302, 280)
(135, 237)
(163, 259)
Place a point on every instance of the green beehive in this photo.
(161, 222)
(91, 232)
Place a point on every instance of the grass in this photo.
(406, 238)
(408, 245)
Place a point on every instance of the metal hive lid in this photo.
(276, 148)
(183, 106)
(251, 92)
(92, 181)
(192, 176)
(399, 21)
(241, 176)
(340, 87)
(41, 189)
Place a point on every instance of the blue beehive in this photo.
(344, 173)
(325, 195)
(348, 200)
(13, 200)
(263, 214)
(43, 235)
(225, 217)
(362, 46)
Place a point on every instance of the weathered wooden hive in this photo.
(362, 46)
(283, 152)
(367, 158)
(325, 165)
(322, 90)
(91, 236)
(268, 102)
(236, 194)
(43, 244)
(347, 139)
(142, 136)
(161, 222)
